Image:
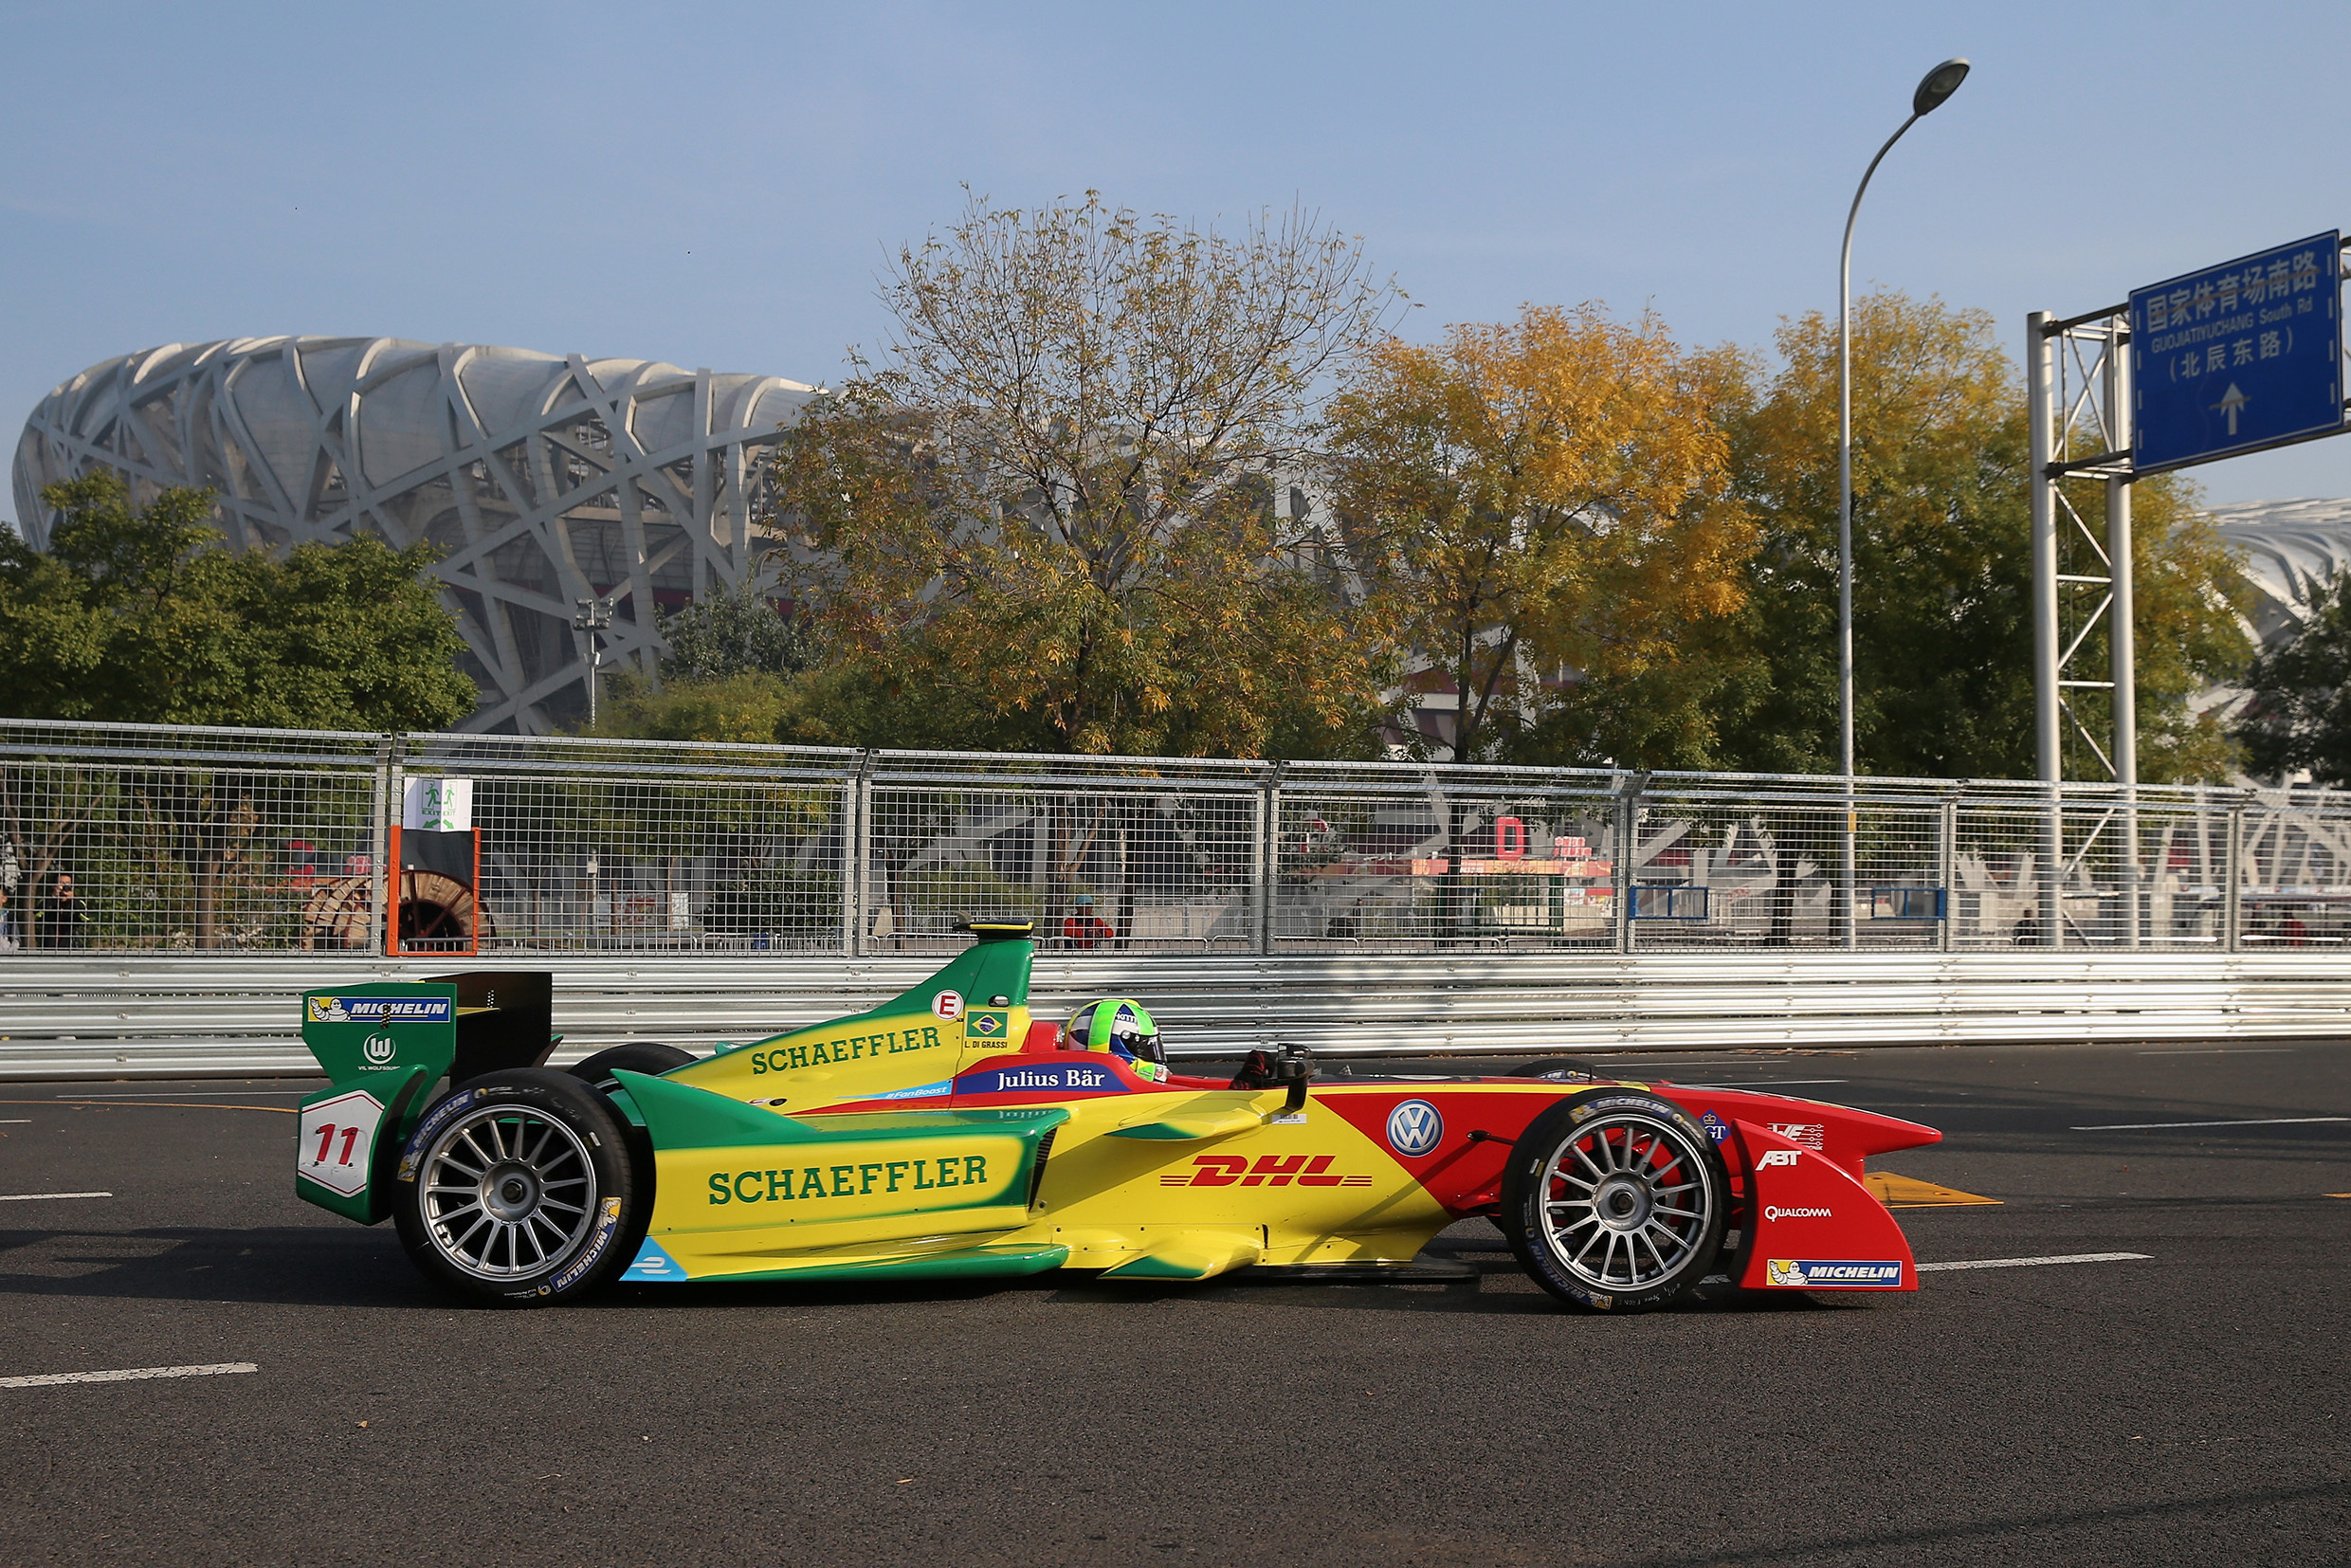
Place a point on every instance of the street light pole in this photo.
(595, 616)
(1936, 86)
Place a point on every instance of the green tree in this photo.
(1942, 568)
(729, 635)
(2299, 716)
(139, 614)
(1057, 506)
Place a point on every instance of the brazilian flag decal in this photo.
(988, 1024)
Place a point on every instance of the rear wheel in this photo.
(1615, 1202)
(518, 1189)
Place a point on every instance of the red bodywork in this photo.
(1796, 1168)
(1802, 1218)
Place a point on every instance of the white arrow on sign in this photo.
(2231, 402)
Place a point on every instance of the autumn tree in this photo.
(1540, 509)
(1942, 567)
(1056, 503)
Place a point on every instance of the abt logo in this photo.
(1270, 1171)
(1774, 1156)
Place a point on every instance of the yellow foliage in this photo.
(1550, 492)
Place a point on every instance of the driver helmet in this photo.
(1120, 1027)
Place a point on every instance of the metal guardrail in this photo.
(92, 1017)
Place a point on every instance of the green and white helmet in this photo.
(1120, 1026)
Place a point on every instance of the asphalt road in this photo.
(2189, 1408)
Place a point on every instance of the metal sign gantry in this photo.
(2093, 391)
(2087, 379)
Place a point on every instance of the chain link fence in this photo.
(123, 838)
(132, 837)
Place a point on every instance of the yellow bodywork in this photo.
(1144, 1184)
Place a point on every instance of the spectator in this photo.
(2292, 932)
(61, 921)
(1082, 928)
(8, 923)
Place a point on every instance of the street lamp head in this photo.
(1937, 85)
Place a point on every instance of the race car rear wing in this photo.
(383, 1044)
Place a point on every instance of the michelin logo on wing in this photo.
(1805, 1273)
(380, 1009)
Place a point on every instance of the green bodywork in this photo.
(394, 1059)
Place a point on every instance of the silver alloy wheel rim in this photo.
(509, 1192)
(1625, 1202)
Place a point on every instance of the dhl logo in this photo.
(1270, 1171)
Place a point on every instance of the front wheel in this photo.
(1615, 1202)
(518, 1189)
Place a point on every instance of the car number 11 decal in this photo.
(337, 1140)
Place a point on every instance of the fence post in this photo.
(1628, 827)
(2232, 875)
(856, 844)
(1268, 865)
(392, 754)
(1947, 872)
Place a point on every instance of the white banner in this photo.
(438, 805)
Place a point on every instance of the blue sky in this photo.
(717, 184)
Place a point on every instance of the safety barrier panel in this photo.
(174, 1017)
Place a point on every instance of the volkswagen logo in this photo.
(378, 1049)
(1414, 1128)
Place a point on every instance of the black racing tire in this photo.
(1558, 1068)
(1608, 1172)
(637, 1056)
(519, 1189)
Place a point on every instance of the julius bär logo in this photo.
(1270, 1171)
(380, 1049)
(1415, 1127)
(1052, 1077)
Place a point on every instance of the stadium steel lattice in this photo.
(543, 479)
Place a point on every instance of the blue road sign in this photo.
(2239, 356)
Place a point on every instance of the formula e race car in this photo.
(944, 1135)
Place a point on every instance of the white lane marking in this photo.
(127, 1374)
(167, 1094)
(2227, 1050)
(13, 1120)
(1762, 1082)
(2254, 1121)
(2034, 1263)
(37, 1197)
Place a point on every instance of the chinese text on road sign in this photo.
(2239, 356)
